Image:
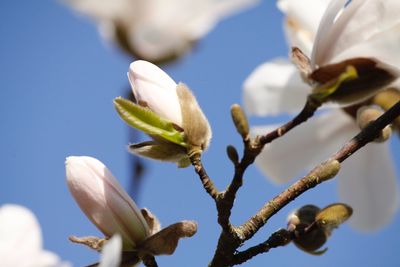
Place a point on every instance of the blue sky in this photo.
(58, 80)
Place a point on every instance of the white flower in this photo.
(104, 201)
(154, 88)
(21, 240)
(157, 30)
(367, 180)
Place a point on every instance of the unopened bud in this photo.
(366, 115)
(240, 120)
(327, 170)
(232, 154)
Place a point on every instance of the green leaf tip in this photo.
(323, 92)
(148, 122)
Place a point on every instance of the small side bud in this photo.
(307, 237)
(240, 120)
(366, 115)
(232, 154)
(327, 170)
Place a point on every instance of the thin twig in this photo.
(280, 238)
(307, 112)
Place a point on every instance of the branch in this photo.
(319, 174)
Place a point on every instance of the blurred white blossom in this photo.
(158, 30)
(111, 252)
(368, 28)
(21, 240)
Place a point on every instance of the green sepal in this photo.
(324, 91)
(147, 121)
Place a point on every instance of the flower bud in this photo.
(366, 115)
(104, 201)
(153, 88)
(240, 120)
(166, 111)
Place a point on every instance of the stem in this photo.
(206, 181)
(280, 238)
(307, 112)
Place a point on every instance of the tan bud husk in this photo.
(333, 215)
(240, 120)
(368, 114)
(302, 63)
(308, 240)
(95, 243)
(152, 221)
(386, 99)
(372, 76)
(165, 241)
(232, 154)
(195, 124)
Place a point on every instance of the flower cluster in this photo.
(362, 34)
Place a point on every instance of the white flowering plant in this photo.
(344, 63)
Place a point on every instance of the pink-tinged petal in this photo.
(360, 21)
(304, 147)
(104, 201)
(111, 252)
(21, 239)
(368, 184)
(322, 39)
(301, 21)
(153, 86)
(274, 87)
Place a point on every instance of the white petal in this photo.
(104, 201)
(21, 239)
(100, 9)
(305, 146)
(153, 86)
(274, 87)
(383, 46)
(321, 43)
(368, 184)
(360, 21)
(111, 252)
(302, 22)
(205, 18)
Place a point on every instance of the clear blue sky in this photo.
(57, 83)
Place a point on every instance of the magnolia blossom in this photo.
(154, 88)
(104, 201)
(21, 240)
(168, 112)
(109, 207)
(369, 28)
(158, 30)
